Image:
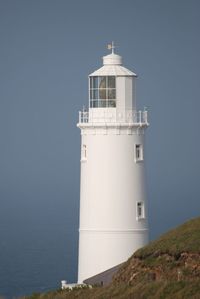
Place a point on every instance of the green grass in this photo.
(154, 290)
(185, 238)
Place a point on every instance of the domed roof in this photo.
(112, 59)
(112, 66)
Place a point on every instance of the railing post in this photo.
(145, 117)
(140, 116)
(85, 117)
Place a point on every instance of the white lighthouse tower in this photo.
(113, 201)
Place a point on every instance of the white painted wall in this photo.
(126, 94)
(111, 184)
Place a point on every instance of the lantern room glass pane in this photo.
(111, 82)
(102, 82)
(112, 103)
(91, 82)
(95, 104)
(95, 94)
(94, 82)
(102, 103)
(111, 94)
(102, 94)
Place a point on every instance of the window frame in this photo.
(84, 152)
(96, 91)
(140, 207)
(139, 149)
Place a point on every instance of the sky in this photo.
(48, 48)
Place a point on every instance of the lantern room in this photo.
(112, 88)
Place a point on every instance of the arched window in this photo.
(102, 91)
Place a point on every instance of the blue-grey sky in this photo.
(47, 50)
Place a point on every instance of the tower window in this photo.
(140, 210)
(102, 91)
(84, 152)
(138, 152)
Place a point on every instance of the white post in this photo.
(140, 116)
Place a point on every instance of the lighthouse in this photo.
(113, 201)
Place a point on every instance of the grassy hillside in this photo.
(174, 256)
(185, 238)
(168, 268)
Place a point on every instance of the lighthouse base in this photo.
(102, 250)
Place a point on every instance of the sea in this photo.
(36, 259)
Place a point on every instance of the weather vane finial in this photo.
(111, 47)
